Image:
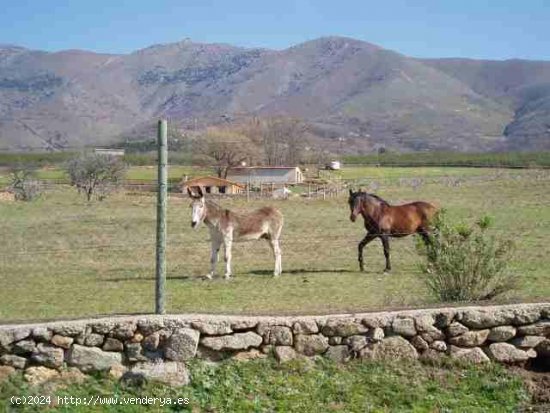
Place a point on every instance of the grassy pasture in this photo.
(175, 173)
(490, 159)
(63, 258)
(322, 386)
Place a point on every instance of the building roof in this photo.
(219, 181)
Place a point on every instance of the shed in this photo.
(266, 175)
(109, 151)
(213, 185)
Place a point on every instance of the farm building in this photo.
(266, 175)
(213, 185)
(109, 151)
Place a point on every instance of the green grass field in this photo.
(63, 258)
(321, 386)
(134, 173)
(354, 173)
(454, 159)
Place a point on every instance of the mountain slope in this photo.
(343, 87)
(524, 86)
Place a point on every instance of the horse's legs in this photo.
(368, 238)
(227, 256)
(277, 252)
(386, 244)
(216, 244)
(423, 232)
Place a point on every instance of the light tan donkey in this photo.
(227, 226)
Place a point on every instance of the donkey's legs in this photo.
(227, 256)
(216, 244)
(277, 253)
(386, 244)
(368, 238)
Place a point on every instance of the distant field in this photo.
(487, 159)
(175, 172)
(353, 172)
(395, 173)
(60, 257)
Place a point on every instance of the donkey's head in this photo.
(198, 206)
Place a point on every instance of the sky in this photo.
(481, 29)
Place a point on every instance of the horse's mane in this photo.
(380, 199)
(366, 194)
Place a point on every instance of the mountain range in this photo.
(342, 87)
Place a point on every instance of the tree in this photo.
(95, 174)
(23, 183)
(283, 141)
(226, 148)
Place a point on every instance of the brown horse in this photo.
(383, 220)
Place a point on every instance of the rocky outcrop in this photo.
(311, 344)
(508, 353)
(237, 341)
(91, 359)
(173, 373)
(395, 347)
(474, 355)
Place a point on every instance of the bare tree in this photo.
(283, 141)
(95, 174)
(226, 148)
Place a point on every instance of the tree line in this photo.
(271, 142)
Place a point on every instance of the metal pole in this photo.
(161, 215)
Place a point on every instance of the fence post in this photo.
(161, 215)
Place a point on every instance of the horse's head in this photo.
(198, 206)
(354, 202)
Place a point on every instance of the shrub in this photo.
(23, 183)
(95, 174)
(465, 262)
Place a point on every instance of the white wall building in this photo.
(256, 175)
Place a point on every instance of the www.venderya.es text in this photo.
(98, 400)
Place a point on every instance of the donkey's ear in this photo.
(191, 194)
(200, 191)
(350, 192)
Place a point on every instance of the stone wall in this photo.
(159, 346)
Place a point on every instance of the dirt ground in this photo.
(537, 381)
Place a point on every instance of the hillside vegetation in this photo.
(340, 86)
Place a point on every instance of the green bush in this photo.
(465, 262)
(24, 184)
